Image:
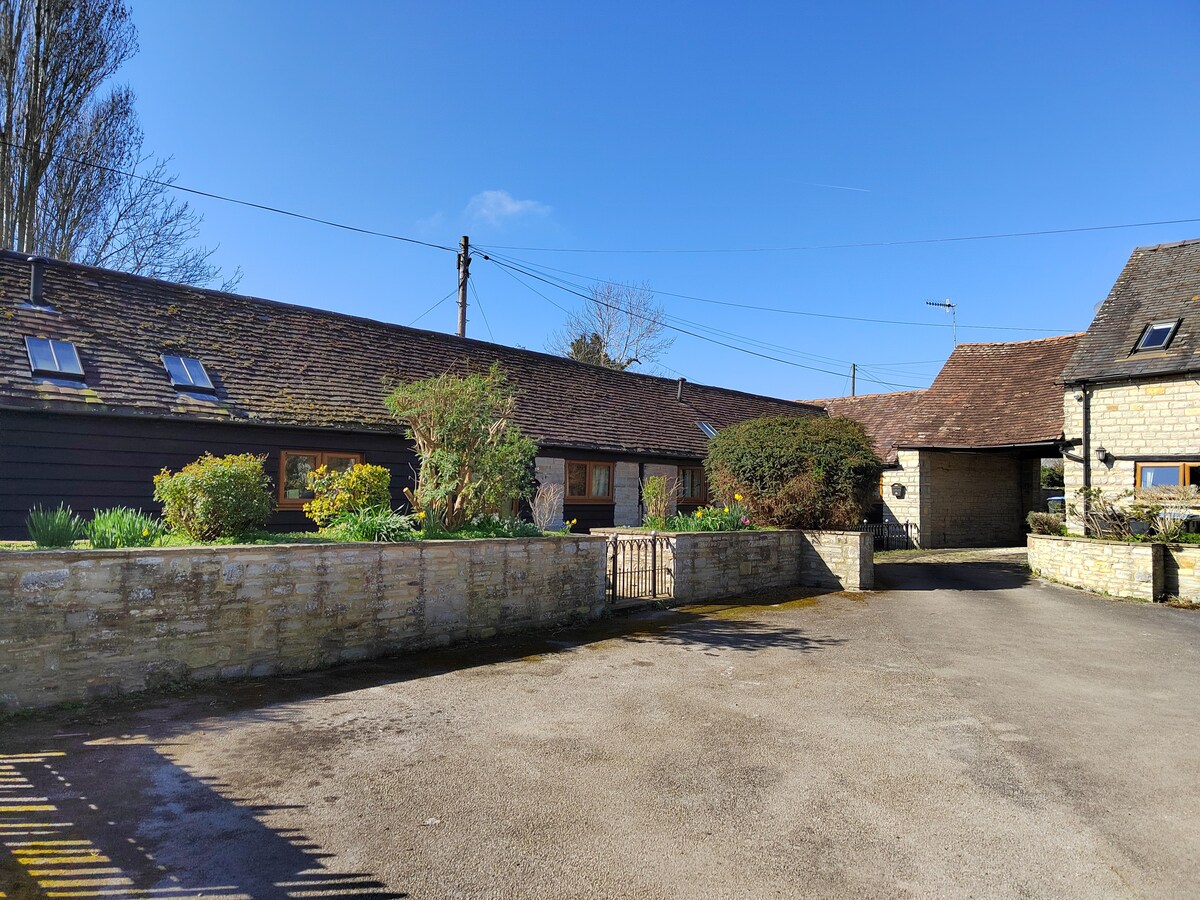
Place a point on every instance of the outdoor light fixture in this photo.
(897, 490)
(1101, 454)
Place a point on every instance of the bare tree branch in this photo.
(619, 326)
(70, 150)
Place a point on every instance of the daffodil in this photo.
(421, 514)
(727, 509)
(699, 514)
(145, 532)
(737, 497)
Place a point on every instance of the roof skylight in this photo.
(53, 359)
(708, 430)
(1157, 336)
(187, 373)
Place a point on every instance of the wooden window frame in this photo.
(690, 500)
(588, 498)
(1184, 466)
(322, 457)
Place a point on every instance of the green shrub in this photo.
(374, 525)
(496, 527)
(53, 527)
(734, 517)
(657, 491)
(810, 472)
(1045, 523)
(216, 497)
(122, 527)
(360, 487)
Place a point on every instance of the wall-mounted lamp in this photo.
(897, 490)
(1078, 396)
(1101, 455)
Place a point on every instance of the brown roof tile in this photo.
(1158, 284)
(884, 416)
(276, 363)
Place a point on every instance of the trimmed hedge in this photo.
(811, 472)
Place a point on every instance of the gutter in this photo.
(1130, 378)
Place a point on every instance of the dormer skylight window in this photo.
(53, 359)
(708, 430)
(1156, 336)
(187, 374)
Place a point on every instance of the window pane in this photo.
(66, 357)
(1159, 476)
(176, 370)
(601, 476)
(41, 358)
(1193, 473)
(576, 480)
(196, 373)
(339, 463)
(1156, 336)
(295, 476)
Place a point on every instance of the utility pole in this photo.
(853, 373)
(464, 272)
(949, 307)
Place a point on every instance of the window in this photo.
(589, 482)
(1156, 336)
(187, 374)
(692, 488)
(294, 466)
(1164, 474)
(708, 430)
(53, 359)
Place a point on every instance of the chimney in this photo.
(679, 390)
(37, 265)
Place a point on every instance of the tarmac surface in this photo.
(964, 731)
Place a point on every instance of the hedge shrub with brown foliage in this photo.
(792, 472)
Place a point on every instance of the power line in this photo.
(171, 185)
(694, 334)
(479, 305)
(432, 308)
(852, 246)
(783, 310)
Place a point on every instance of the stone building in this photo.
(963, 457)
(1131, 390)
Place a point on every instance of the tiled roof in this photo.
(994, 395)
(884, 416)
(986, 396)
(1158, 284)
(275, 363)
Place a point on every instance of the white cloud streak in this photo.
(495, 207)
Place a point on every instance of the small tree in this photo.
(811, 472)
(473, 459)
(621, 324)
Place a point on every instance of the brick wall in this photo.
(1134, 571)
(86, 623)
(1131, 420)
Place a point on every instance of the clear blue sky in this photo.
(713, 126)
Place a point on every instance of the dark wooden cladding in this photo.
(589, 516)
(98, 461)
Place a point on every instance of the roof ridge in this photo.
(1166, 245)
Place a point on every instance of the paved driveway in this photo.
(965, 732)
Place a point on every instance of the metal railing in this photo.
(640, 568)
(893, 535)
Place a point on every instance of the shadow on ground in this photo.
(988, 569)
(93, 806)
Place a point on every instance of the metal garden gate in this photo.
(640, 568)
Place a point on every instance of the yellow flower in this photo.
(727, 509)
(421, 514)
(145, 532)
(737, 497)
(698, 514)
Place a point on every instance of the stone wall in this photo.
(1139, 420)
(78, 624)
(1181, 571)
(899, 510)
(1119, 568)
(711, 565)
(627, 495)
(718, 565)
(671, 473)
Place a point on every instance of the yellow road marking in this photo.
(103, 871)
(31, 757)
(30, 807)
(46, 844)
(86, 850)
